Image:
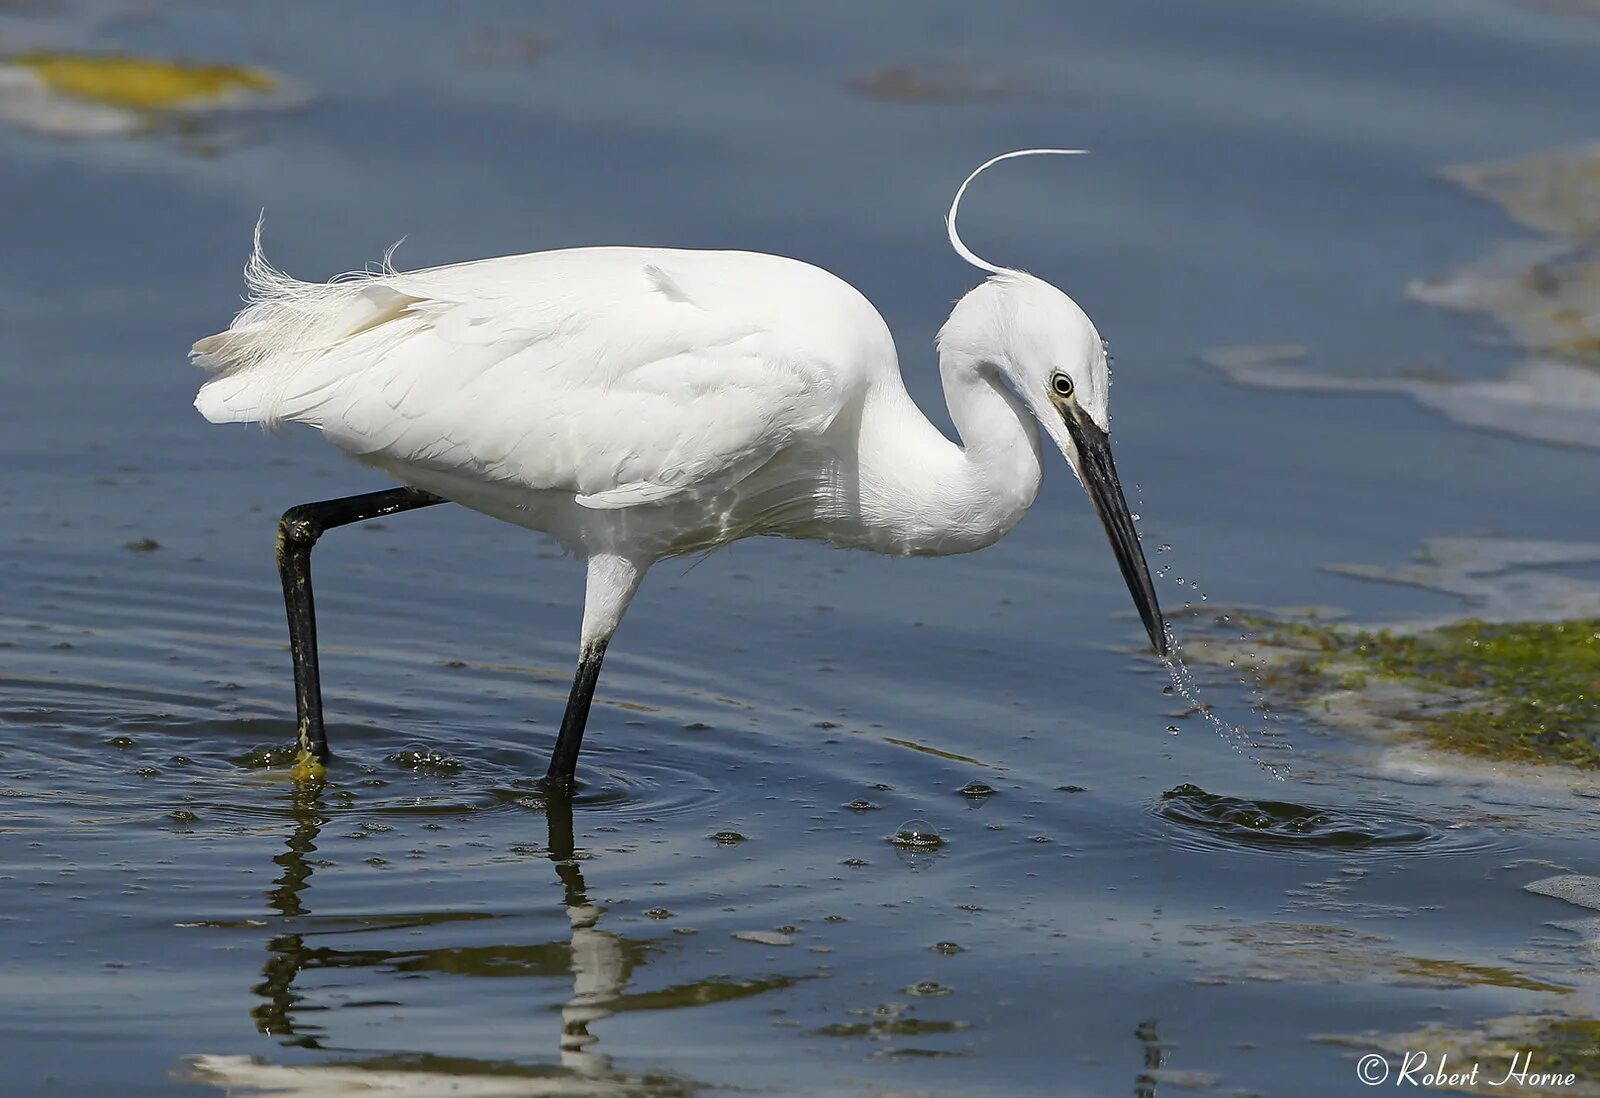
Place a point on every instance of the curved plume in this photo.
(950, 218)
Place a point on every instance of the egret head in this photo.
(1050, 355)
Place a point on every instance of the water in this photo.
(1125, 901)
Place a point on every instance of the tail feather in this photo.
(285, 325)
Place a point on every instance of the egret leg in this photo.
(610, 584)
(564, 759)
(298, 532)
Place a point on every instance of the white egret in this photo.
(642, 403)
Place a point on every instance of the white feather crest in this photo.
(955, 204)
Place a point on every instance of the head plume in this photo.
(955, 204)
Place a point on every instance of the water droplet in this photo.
(977, 789)
(862, 806)
(948, 949)
(727, 838)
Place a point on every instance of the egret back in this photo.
(623, 376)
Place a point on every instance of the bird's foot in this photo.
(308, 769)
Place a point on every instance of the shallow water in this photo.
(177, 917)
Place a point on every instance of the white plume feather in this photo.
(955, 204)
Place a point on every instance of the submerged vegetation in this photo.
(72, 94)
(1541, 679)
(1544, 293)
(1519, 691)
(1527, 1055)
(142, 83)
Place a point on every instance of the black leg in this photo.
(298, 531)
(564, 759)
(562, 848)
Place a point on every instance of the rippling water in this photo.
(1126, 908)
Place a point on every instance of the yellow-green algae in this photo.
(308, 769)
(1545, 1045)
(143, 84)
(1320, 953)
(1520, 691)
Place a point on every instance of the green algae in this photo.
(1544, 1049)
(891, 1027)
(1518, 692)
(1541, 682)
(1571, 1046)
(1435, 972)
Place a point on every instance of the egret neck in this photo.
(921, 493)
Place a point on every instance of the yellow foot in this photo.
(308, 768)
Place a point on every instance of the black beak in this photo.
(1100, 476)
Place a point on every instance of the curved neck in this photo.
(921, 493)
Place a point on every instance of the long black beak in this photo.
(1100, 476)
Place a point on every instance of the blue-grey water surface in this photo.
(1262, 173)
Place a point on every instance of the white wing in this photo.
(624, 376)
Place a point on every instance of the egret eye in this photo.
(1062, 384)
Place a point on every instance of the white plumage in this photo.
(609, 377)
(637, 403)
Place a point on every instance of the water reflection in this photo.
(600, 964)
(1155, 1057)
(287, 953)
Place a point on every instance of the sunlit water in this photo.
(851, 825)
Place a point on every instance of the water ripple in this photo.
(1200, 820)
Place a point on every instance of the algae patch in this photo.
(103, 95)
(1539, 1046)
(1544, 293)
(142, 84)
(1318, 953)
(1516, 678)
(1514, 691)
(936, 81)
(1540, 682)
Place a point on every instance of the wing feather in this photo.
(615, 374)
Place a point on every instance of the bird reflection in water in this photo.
(1155, 1058)
(600, 964)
